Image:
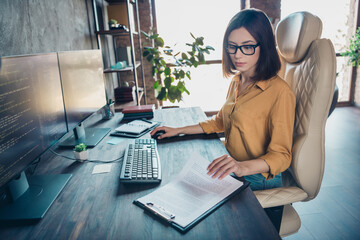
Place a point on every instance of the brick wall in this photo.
(147, 21)
(271, 7)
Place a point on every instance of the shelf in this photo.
(115, 32)
(119, 1)
(130, 68)
(132, 13)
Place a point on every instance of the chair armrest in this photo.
(280, 196)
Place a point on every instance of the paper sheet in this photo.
(192, 192)
(101, 168)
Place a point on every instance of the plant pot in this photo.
(81, 156)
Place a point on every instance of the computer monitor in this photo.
(32, 119)
(83, 88)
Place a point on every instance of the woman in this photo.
(258, 115)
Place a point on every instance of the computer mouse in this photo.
(158, 133)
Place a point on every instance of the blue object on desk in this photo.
(114, 141)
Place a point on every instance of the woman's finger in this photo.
(227, 172)
(220, 163)
(223, 170)
(216, 160)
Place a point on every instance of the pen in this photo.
(145, 120)
(161, 210)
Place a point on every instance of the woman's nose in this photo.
(238, 53)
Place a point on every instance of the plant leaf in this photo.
(210, 48)
(156, 85)
(168, 81)
(145, 53)
(154, 36)
(149, 58)
(201, 58)
(162, 94)
(188, 74)
(174, 93)
(167, 71)
(159, 42)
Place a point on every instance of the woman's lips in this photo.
(239, 64)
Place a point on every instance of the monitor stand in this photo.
(89, 136)
(32, 196)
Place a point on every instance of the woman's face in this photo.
(246, 64)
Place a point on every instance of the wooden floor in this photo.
(335, 212)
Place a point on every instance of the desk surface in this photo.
(98, 206)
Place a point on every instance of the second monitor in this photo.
(84, 93)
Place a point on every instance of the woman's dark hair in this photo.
(258, 25)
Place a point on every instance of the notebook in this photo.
(136, 126)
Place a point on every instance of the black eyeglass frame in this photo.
(240, 47)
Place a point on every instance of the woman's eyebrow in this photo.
(243, 43)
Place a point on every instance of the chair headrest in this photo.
(295, 33)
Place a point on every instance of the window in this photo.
(175, 21)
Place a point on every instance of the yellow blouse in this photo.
(258, 123)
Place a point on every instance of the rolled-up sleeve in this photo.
(281, 125)
(215, 124)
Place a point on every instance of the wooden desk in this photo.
(100, 207)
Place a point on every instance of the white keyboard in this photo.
(141, 162)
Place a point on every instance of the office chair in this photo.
(309, 67)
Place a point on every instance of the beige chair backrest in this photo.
(309, 67)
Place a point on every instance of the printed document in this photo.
(191, 193)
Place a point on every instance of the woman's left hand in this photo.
(223, 166)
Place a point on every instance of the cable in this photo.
(92, 161)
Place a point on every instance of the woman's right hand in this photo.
(169, 132)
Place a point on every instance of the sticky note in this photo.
(114, 141)
(101, 168)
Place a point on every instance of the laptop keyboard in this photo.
(141, 162)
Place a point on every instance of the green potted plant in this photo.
(353, 51)
(81, 152)
(113, 24)
(171, 69)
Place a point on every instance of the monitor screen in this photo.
(83, 87)
(32, 119)
(83, 84)
(32, 114)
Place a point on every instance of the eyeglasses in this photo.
(245, 49)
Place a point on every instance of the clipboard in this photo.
(162, 214)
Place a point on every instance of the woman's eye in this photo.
(247, 47)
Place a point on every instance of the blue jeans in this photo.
(258, 182)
